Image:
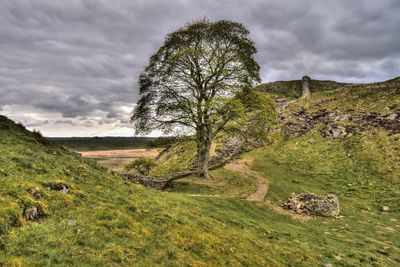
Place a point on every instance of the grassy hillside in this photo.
(363, 170)
(104, 220)
(382, 98)
(293, 89)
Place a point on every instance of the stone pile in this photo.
(312, 204)
(231, 148)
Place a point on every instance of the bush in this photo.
(141, 165)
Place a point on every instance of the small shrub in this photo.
(141, 165)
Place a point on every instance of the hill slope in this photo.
(60, 209)
(104, 220)
(345, 140)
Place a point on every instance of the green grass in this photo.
(224, 183)
(380, 97)
(362, 171)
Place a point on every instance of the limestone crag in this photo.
(338, 124)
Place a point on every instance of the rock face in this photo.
(338, 124)
(312, 204)
(305, 82)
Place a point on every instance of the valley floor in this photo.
(363, 235)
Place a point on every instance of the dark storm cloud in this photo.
(80, 58)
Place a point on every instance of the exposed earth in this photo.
(243, 166)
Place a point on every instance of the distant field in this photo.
(117, 159)
(102, 143)
(111, 152)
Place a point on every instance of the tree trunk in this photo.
(203, 152)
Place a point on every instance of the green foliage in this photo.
(196, 67)
(142, 165)
(259, 115)
(191, 81)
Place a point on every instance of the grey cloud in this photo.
(70, 122)
(70, 108)
(81, 58)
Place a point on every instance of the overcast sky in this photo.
(70, 67)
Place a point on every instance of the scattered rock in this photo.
(338, 258)
(71, 222)
(392, 116)
(385, 208)
(65, 189)
(34, 213)
(35, 192)
(312, 204)
(366, 209)
(58, 186)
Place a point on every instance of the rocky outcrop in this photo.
(312, 204)
(34, 213)
(338, 124)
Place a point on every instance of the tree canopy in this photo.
(191, 82)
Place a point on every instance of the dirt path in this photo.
(243, 166)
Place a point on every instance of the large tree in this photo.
(192, 81)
